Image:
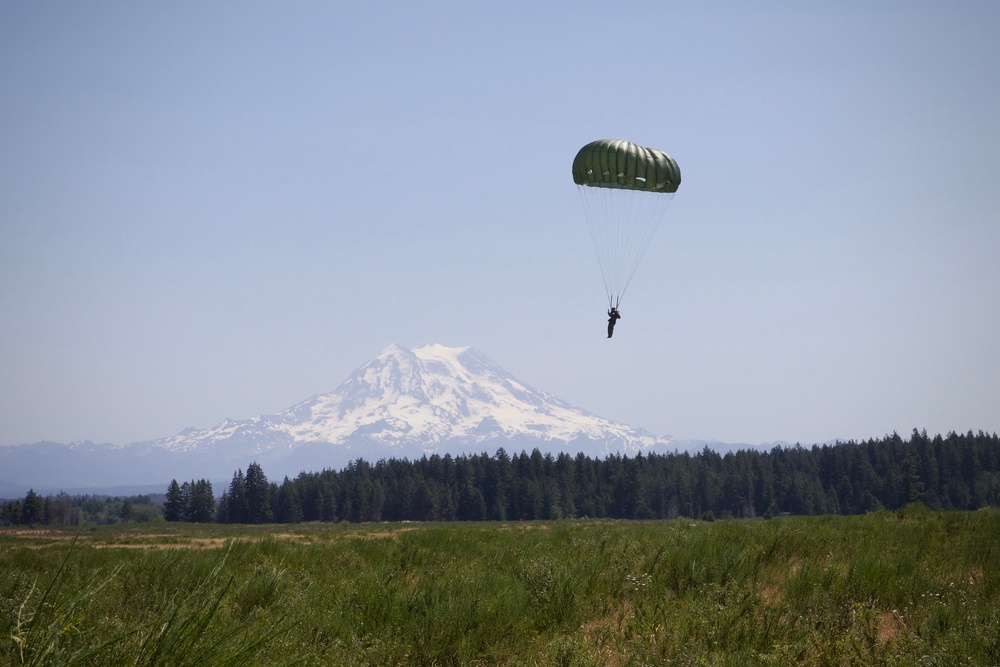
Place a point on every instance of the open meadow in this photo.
(912, 587)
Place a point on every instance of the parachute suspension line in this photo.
(622, 223)
(594, 214)
(646, 212)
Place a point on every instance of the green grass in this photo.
(908, 588)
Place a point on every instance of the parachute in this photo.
(625, 189)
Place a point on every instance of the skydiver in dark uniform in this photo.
(613, 317)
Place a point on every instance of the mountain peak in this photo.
(391, 350)
(403, 403)
(427, 399)
(437, 350)
(428, 351)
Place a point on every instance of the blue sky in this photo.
(213, 210)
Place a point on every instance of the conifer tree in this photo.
(238, 510)
(187, 489)
(31, 510)
(173, 508)
(222, 508)
(258, 495)
(202, 503)
(288, 509)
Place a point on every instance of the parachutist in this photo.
(613, 317)
(625, 189)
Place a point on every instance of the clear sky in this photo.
(218, 209)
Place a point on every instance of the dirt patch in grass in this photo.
(379, 535)
(146, 541)
(771, 595)
(601, 635)
(525, 527)
(192, 543)
(890, 626)
(36, 532)
(203, 542)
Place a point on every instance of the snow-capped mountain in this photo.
(425, 399)
(403, 403)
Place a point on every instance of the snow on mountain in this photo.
(403, 403)
(426, 398)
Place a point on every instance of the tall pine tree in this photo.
(173, 507)
(258, 495)
(238, 510)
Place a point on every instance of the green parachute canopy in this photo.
(625, 189)
(612, 163)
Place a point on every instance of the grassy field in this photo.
(908, 588)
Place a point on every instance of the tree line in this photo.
(63, 509)
(951, 472)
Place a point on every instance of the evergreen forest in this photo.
(952, 472)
